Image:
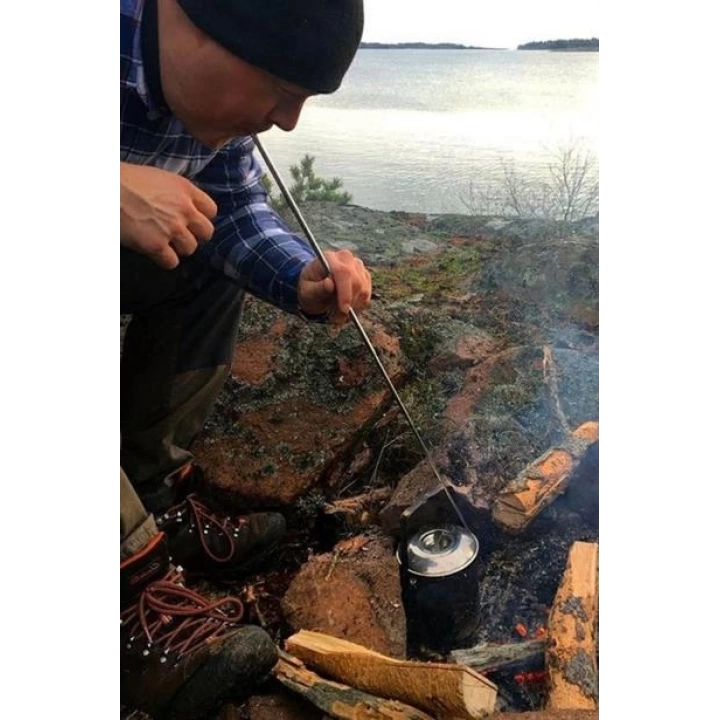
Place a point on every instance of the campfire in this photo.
(534, 644)
(498, 613)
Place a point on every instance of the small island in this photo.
(586, 45)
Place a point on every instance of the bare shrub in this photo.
(570, 191)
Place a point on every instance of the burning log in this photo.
(540, 482)
(493, 656)
(340, 701)
(443, 690)
(572, 660)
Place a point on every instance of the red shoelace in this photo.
(205, 521)
(177, 619)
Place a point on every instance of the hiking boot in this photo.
(209, 543)
(172, 488)
(183, 654)
(204, 541)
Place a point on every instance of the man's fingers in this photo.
(365, 292)
(201, 228)
(349, 286)
(163, 215)
(183, 242)
(353, 286)
(166, 258)
(203, 202)
(343, 292)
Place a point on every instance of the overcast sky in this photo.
(503, 23)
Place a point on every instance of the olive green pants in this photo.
(176, 356)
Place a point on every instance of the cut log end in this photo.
(589, 431)
(542, 481)
(476, 700)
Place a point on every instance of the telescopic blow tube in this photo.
(353, 316)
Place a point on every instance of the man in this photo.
(197, 80)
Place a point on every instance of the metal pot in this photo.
(440, 576)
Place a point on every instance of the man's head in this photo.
(236, 67)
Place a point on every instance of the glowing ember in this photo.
(535, 676)
(521, 630)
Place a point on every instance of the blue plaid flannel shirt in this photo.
(251, 244)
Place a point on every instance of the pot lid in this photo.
(440, 550)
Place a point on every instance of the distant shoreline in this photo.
(422, 46)
(551, 45)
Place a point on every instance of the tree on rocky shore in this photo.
(308, 187)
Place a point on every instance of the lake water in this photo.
(415, 130)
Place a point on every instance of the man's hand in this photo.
(350, 286)
(162, 215)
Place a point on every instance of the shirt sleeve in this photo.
(251, 244)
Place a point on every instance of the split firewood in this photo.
(337, 700)
(572, 656)
(444, 690)
(540, 482)
(494, 656)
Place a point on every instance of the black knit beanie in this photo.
(310, 43)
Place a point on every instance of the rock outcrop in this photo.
(462, 309)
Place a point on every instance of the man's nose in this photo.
(286, 114)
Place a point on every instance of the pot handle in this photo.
(402, 549)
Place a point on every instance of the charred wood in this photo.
(572, 656)
(338, 700)
(492, 656)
